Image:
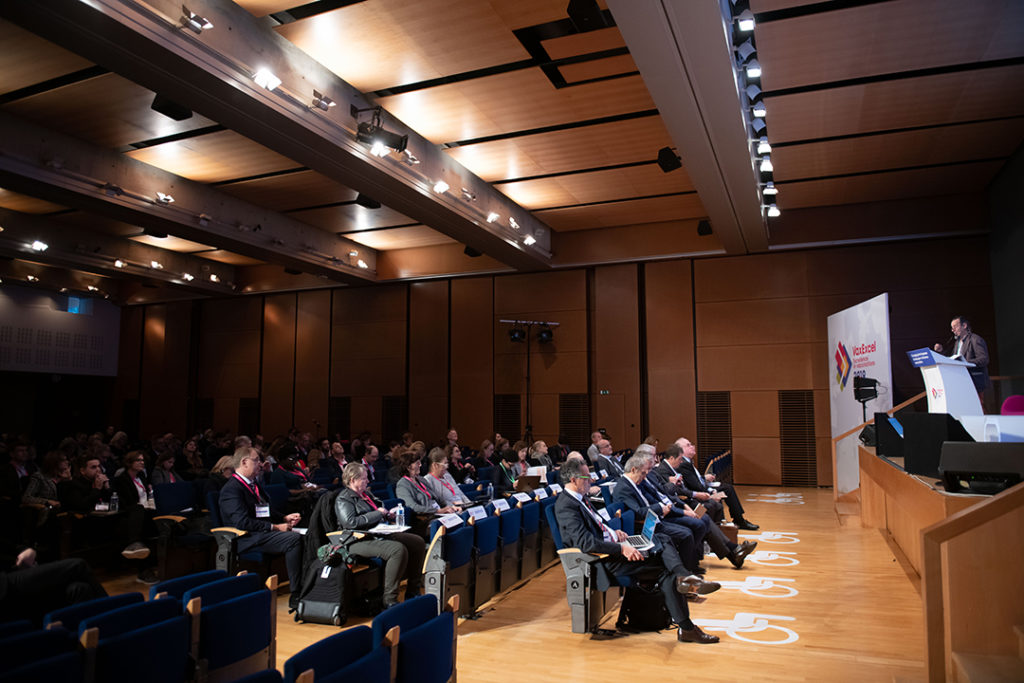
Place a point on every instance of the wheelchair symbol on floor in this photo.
(763, 587)
(747, 623)
(773, 558)
(786, 537)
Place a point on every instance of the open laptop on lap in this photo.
(645, 539)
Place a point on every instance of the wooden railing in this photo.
(972, 596)
(862, 425)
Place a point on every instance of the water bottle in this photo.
(991, 430)
(400, 515)
(113, 502)
(490, 492)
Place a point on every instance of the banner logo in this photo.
(843, 366)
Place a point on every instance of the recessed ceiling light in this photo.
(214, 278)
(770, 189)
(745, 21)
(164, 198)
(32, 278)
(156, 265)
(92, 288)
(512, 223)
(118, 263)
(763, 147)
(491, 217)
(38, 245)
(361, 263)
(265, 79)
(766, 164)
(353, 253)
(529, 239)
(754, 69)
(440, 187)
(773, 211)
(188, 277)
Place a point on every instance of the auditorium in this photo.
(366, 339)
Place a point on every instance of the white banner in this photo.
(858, 343)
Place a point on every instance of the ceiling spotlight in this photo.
(668, 160)
(440, 187)
(759, 110)
(517, 335)
(214, 278)
(753, 69)
(204, 219)
(32, 278)
(773, 211)
(512, 223)
(770, 189)
(409, 158)
(362, 264)
(379, 149)
(193, 22)
(366, 201)
(91, 288)
(353, 253)
(40, 246)
(766, 164)
(762, 146)
(118, 263)
(380, 138)
(156, 265)
(745, 21)
(468, 195)
(265, 79)
(545, 335)
(63, 290)
(188, 277)
(746, 50)
(492, 217)
(164, 198)
(321, 101)
(529, 239)
(758, 126)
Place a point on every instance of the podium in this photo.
(949, 385)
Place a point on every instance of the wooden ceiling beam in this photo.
(211, 73)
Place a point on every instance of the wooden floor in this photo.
(833, 606)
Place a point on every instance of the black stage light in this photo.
(370, 134)
(471, 252)
(865, 389)
(704, 228)
(517, 335)
(586, 15)
(545, 335)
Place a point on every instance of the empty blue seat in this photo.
(351, 655)
(70, 616)
(157, 653)
(176, 588)
(510, 526)
(530, 538)
(448, 568)
(486, 562)
(24, 648)
(131, 617)
(67, 666)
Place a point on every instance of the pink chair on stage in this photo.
(1013, 405)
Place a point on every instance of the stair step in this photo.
(971, 668)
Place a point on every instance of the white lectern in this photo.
(949, 385)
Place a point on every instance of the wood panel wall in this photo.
(639, 339)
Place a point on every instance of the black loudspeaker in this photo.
(366, 201)
(170, 108)
(471, 252)
(668, 160)
(704, 228)
(923, 436)
(981, 467)
(868, 437)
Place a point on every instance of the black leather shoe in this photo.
(740, 553)
(745, 525)
(695, 635)
(700, 571)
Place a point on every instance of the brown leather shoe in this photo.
(695, 635)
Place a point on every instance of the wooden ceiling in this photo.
(867, 101)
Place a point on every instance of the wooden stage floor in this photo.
(818, 601)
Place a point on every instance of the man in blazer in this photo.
(606, 461)
(968, 346)
(701, 484)
(581, 527)
(246, 506)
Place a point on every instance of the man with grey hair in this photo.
(705, 487)
(581, 527)
(606, 462)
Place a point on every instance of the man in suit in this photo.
(681, 525)
(606, 461)
(968, 346)
(245, 505)
(702, 485)
(581, 527)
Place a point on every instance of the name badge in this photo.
(477, 512)
(604, 514)
(556, 488)
(500, 504)
(262, 511)
(325, 572)
(522, 497)
(540, 493)
(604, 474)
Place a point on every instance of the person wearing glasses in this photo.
(245, 505)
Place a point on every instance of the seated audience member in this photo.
(592, 450)
(451, 438)
(163, 470)
(222, 471)
(220, 445)
(88, 487)
(522, 450)
(577, 456)
(29, 590)
(460, 470)
(42, 485)
(606, 461)
(357, 509)
(441, 483)
(118, 446)
(15, 474)
(704, 491)
(539, 455)
(369, 461)
(485, 457)
(245, 505)
(581, 527)
(133, 492)
(504, 475)
(191, 462)
(412, 489)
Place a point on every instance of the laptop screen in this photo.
(650, 522)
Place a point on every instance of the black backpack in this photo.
(323, 594)
(643, 609)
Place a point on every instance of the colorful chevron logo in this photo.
(843, 366)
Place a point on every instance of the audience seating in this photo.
(486, 563)
(265, 676)
(510, 526)
(227, 557)
(448, 568)
(351, 655)
(584, 586)
(67, 666)
(547, 541)
(222, 612)
(180, 550)
(530, 560)
(70, 617)
(427, 640)
(176, 588)
(22, 649)
(13, 628)
(137, 642)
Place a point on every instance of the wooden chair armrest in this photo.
(228, 530)
(170, 518)
(587, 557)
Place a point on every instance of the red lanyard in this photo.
(419, 486)
(299, 473)
(254, 490)
(446, 485)
(369, 500)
